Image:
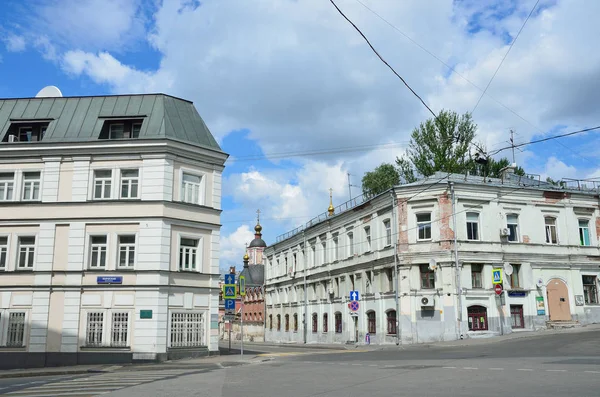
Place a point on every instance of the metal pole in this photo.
(304, 253)
(349, 186)
(396, 288)
(229, 326)
(458, 288)
(242, 329)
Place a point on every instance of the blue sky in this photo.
(278, 80)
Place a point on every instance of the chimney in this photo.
(506, 171)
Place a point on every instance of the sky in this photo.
(298, 100)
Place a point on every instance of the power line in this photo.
(505, 55)
(381, 58)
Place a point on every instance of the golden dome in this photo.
(258, 228)
(246, 257)
(330, 209)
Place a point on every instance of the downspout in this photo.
(456, 264)
(396, 287)
(304, 253)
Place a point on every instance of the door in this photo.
(355, 329)
(558, 300)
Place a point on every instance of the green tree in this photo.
(438, 144)
(493, 168)
(380, 179)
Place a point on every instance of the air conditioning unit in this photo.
(13, 138)
(505, 232)
(427, 301)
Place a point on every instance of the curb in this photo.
(294, 345)
(51, 373)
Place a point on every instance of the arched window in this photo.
(315, 322)
(325, 321)
(295, 322)
(371, 322)
(279, 322)
(287, 323)
(270, 321)
(338, 323)
(477, 318)
(391, 322)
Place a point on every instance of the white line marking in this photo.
(343, 363)
(357, 364)
(449, 367)
(372, 365)
(496, 369)
(556, 370)
(524, 369)
(592, 372)
(469, 368)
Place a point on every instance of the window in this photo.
(295, 322)
(477, 318)
(121, 129)
(116, 131)
(427, 277)
(279, 322)
(3, 252)
(95, 323)
(31, 186)
(7, 183)
(188, 253)
(190, 188)
(371, 322)
(389, 273)
(325, 321)
(590, 290)
(187, 329)
(424, 226)
(26, 252)
(388, 232)
(98, 249)
(26, 131)
(551, 236)
(120, 322)
(516, 316)
(315, 322)
(323, 251)
(338, 323)
(334, 253)
(270, 321)
(102, 184)
(391, 322)
(472, 226)
(514, 277)
(135, 130)
(512, 223)
(368, 238)
(584, 232)
(476, 279)
(287, 323)
(350, 244)
(15, 335)
(126, 251)
(129, 183)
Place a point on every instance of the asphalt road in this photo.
(550, 365)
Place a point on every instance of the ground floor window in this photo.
(295, 322)
(338, 323)
(371, 322)
(325, 321)
(187, 329)
(287, 323)
(477, 318)
(391, 322)
(107, 328)
(13, 323)
(270, 321)
(590, 291)
(516, 316)
(279, 322)
(315, 322)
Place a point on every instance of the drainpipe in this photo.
(396, 288)
(304, 253)
(456, 264)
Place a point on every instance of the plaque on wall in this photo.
(579, 300)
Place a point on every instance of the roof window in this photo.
(26, 131)
(121, 129)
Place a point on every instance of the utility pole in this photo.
(512, 145)
(350, 186)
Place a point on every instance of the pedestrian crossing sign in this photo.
(497, 276)
(229, 291)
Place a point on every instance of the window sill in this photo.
(24, 270)
(111, 348)
(19, 348)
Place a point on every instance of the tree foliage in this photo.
(380, 179)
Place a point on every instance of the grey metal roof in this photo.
(76, 119)
(255, 275)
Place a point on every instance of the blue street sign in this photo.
(229, 291)
(229, 304)
(497, 276)
(109, 280)
(354, 296)
(230, 279)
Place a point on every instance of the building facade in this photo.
(543, 240)
(109, 233)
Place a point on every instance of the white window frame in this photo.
(110, 128)
(111, 180)
(547, 229)
(367, 230)
(90, 247)
(515, 239)
(5, 184)
(18, 251)
(129, 245)
(335, 244)
(107, 327)
(199, 252)
(132, 127)
(5, 249)
(478, 223)
(597, 294)
(201, 188)
(387, 229)
(129, 181)
(589, 235)
(4, 322)
(24, 182)
(420, 223)
(350, 239)
(204, 335)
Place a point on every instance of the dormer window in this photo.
(125, 128)
(26, 131)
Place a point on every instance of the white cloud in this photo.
(556, 169)
(233, 246)
(14, 43)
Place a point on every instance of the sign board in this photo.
(230, 279)
(242, 285)
(497, 276)
(145, 313)
(354, 306)
(579, 300)
(498, 289)
(229, 291)
(109, 280)
(354, 296)
(517, 294)
(541, 308)
(229, 304)
(229, 317)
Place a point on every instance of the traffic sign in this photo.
(229, 304)
(497, 276)
(354, 306)
(229, 317)
(230, 279)
(354, 296)
(498, 289)
(229, 291)
(242, 285)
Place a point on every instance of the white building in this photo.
(109, 230)
(548, 236)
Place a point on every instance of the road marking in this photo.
(524, 369)
(357, 364)
(372, 365)
(496, 369)
(556, 370)
(592, 372)
(449, 367)
(469, 368)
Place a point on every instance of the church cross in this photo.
(257, 216)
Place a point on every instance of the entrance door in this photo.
(355, 329)
(558, 300)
